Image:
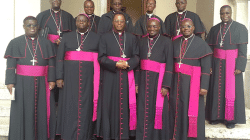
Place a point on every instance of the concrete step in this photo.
(5, 108)
(241, 131)
(4, 126)
(5, 95)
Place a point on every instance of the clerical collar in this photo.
(188, 37)
(152, 38)
(119, 33)
(31, 38)
(91, 15)
(82, 33)
(149, 15)
(55, 11)
(180, 13)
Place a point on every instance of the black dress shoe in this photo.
(214, 122)
(230, 125)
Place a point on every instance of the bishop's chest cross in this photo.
(59, 32)
(33, 61)
(123, 55)
(221, 43)
(180, 64)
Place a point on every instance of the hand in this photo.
(203, 92)
(60, 83)
(164, 91)
(51, 85)
(136, 89)
(121, 64)
(237, 72)
(58, 41)
(9, 87)
(211, 71)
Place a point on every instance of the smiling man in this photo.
(140, 28)
(89, 8)
(173, 21)
(192, 62)
(225, 101)
(118, 56)
(154, 82)
(105, 24)
(78, 74)
(31, 70)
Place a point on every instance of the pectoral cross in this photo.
(79, 49)
(180, 64)
(149, 54)
(221, 43)
(123, 55)
(33, 61)
(59, 32)
(178, 31)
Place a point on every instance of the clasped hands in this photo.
(122, 64)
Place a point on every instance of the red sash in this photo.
(230, 57)
(132, 94)
(28, 70)
(88, 56)
(158, 68)
(175, 37)
(193, 109)
(53, 38)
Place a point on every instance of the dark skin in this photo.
(89, 7)
(55, 4)
(31, 30)
(153, 28)
(181, 5)
(151, 5)
(225, 15)
(187, 29)
(82, 24)
(119, 25)
(116, 5)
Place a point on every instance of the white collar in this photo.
(150, 15)
(55, 11)
(90, 15)
(32, 38)
(188, 37)
(180, 13)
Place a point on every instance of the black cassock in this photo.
(28, 116)
(67, 22)
(105, 24)
(140, 28)
(198, 54)
(94, 22)
(162, 52)
(77, 105)
(172, 24)
(236, 38)
(113, 105)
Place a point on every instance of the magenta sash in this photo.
(175, 37)
(28, 70)
(132, 94)
(88, 56)
(158, 68)
(53, 38)
(230, 57)
(193, 108)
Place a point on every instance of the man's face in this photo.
(151, 5)
(82, 22)
(153, 27)
(187, 28)
(181, 5)
(89, 7)
(116, 5)
(119, 22)
(31, 28)
(56, 4)
(225, 14)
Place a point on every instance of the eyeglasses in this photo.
(118, 3)
(150, 4)
(188, 26)
(31, 25)
(116, 21)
